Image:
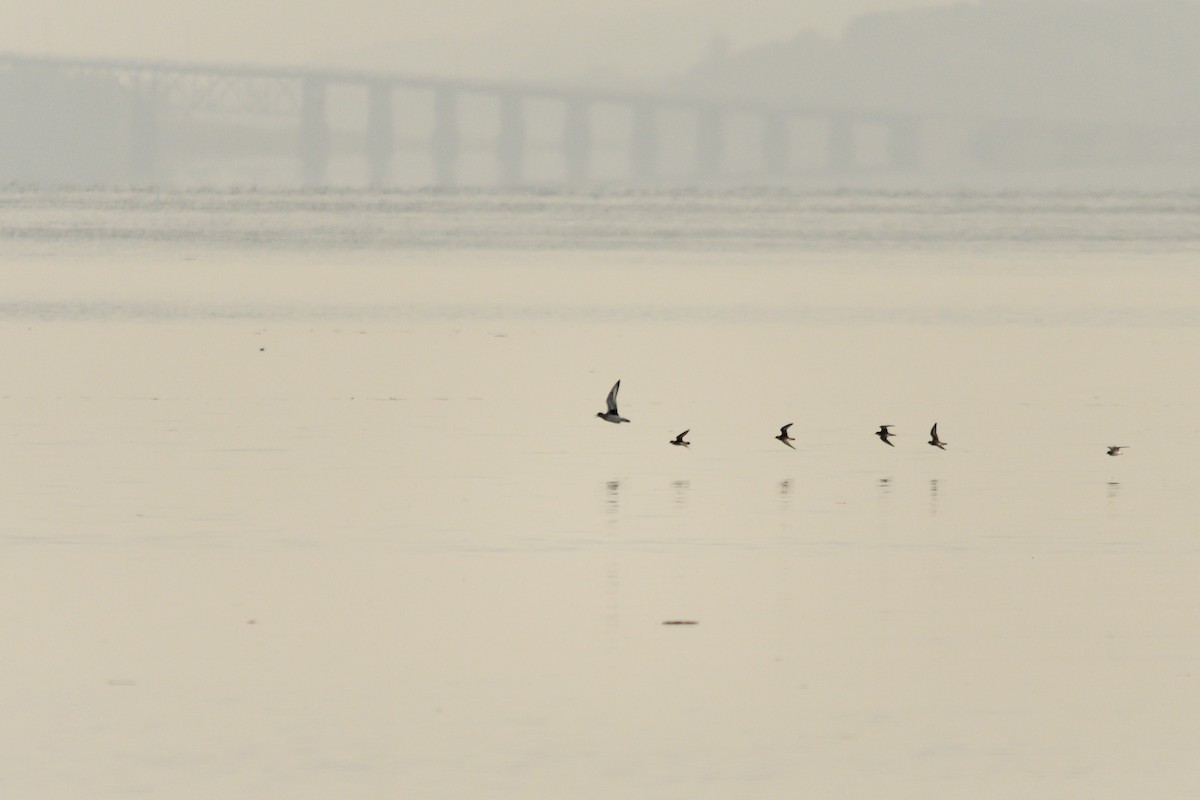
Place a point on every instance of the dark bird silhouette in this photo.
(611, 415)
(933, 440)
(883, 433)
(1115, 449)
(679, 439)
(783, 435)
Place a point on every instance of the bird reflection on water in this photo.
(1113, 494)
(681, 489)
(785, 492)
(612, 498)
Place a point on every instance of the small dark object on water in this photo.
(681, 622)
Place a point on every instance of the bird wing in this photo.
(783, 430)
(612, 397)
(933, 432)
(685, 433)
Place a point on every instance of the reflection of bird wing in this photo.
(783, 431)
(612, 398)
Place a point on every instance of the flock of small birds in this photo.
(885, 435)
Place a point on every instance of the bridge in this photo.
(142, 120)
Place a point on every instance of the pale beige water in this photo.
(341, 523)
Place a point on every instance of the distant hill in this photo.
(1104, 61)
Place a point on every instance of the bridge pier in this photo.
(314, 133)
(710, 142)
(144, 137)
(776, 155)
(444, 145)
(643, 143)
(904, 144)
(510, 146)
(840, 146)
(577, 143)
(380, 137)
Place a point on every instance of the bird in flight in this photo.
(883, 433)
(933, 440)
(611, 414)
(1115, 449)
(783, 435)
(679, 439)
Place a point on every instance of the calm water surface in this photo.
(304, 496)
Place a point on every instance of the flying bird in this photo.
(883, 433)
(679, 439)
(611, 415)
(783, 435)
(1115, 449)
(933, 440)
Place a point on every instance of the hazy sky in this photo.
(551, 39)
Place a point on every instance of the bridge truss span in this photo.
(343, 127)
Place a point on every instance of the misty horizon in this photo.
(1090, 92)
